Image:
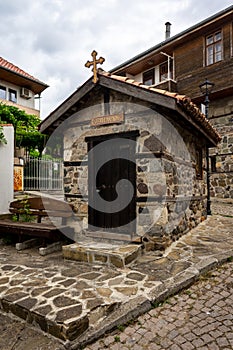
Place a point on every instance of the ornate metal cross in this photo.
(94, 64)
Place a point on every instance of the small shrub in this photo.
(25, 214)
(117, 339)
(121, 328)
(2, 136)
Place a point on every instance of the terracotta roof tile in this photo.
(130, 81)
(119, 78)
(182, 100)
(137, 83)
(10, 66)
(100, 70)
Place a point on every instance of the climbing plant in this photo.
(25, 128)
(2, 136)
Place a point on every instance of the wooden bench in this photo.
(42, 211)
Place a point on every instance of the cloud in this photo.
(52, 39)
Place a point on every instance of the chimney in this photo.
(168, 30)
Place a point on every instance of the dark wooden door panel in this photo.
(105, 178)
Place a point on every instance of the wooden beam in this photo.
(138, 92)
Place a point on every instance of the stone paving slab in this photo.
(68, 298)
(17, 335)
(78, 302)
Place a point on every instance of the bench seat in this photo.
(31, 229)
(38, 208)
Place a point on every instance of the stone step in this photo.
(104, 253)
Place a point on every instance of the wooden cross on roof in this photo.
(94, 64)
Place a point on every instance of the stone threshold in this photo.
(110, 254)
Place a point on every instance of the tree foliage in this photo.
(2, 136)
(25, 128)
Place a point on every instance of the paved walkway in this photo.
(78, 302)
(198, 318)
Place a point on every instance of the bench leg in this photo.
(54, 247)
(28, 244)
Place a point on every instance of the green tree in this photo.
(25, 128)
(2, 136)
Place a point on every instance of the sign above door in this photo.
(108, 119)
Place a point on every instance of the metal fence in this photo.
(43, 174)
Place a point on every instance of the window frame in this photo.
(165, 64)
(12, 92)
(213, 165)
(199, 163)
(214, 42)
(147, 76)
(3, 88)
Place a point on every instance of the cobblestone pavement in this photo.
(200, 317)
(79, 302)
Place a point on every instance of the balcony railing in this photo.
(169, 85)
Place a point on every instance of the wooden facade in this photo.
(189, 54)
(191, 69)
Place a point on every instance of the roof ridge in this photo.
(137, 83)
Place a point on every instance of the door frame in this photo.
(109, 233)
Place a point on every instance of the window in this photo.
(149, 77)
(163, 70)
(199, 168)
(213, 48)
(213, 167)
(12, 95)
(2, 92)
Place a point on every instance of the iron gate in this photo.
(43, 174)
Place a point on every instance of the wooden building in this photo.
(133, 166)
(181, 63)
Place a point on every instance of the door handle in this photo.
(102, 187)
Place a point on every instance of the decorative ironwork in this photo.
(94, 64)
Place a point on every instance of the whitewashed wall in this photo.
(7, 169)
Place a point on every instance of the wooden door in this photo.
(112, 202)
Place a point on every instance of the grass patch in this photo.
(121, 328)
(117, 338)
(161, 303)
(188, 292)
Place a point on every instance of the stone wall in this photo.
(221, 116)
(170, 198)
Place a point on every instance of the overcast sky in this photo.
(52, 39)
